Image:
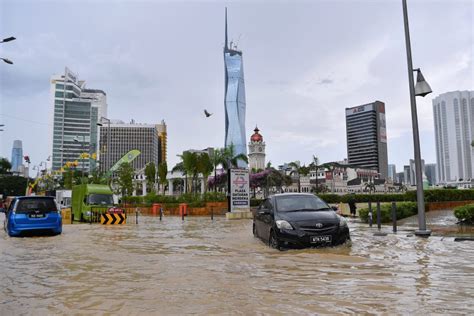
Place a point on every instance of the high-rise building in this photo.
(256, 151)
(125, 137)
(430, 171)
(234, 98)
(454, 131)
(17, 156)
(367, 137)
(412, 177)
(392, 172)
(406, 175)
(76, 113)
(400, 177)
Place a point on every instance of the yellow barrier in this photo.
(66, 215)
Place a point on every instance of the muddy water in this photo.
(204, 267)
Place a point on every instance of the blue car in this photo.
(33, 215)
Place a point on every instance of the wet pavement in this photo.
(204, 267)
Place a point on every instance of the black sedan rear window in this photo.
(300, 203)
(36, 204)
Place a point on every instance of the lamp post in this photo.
(421, 89)
(82, 152)
(5, 40)
(108, 141)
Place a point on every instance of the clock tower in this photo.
(256, 151)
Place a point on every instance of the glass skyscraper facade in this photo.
(234, 99)
(76, 113)
(17, 155)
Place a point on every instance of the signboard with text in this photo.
(239, 190)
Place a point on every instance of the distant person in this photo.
(352, 207)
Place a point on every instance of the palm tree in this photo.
(204, 167)
(315, 165)
(189, 167)
(299, 171)
(217, 158)
(230, 158)
(369, 186)
(162, 173)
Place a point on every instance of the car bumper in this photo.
(299, 238)
(19, 230)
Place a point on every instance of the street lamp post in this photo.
(422, 88)
(82, 152)
(108, 140)
(5, 40)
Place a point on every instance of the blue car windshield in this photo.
(293, 203)
(100, 199)
(43, 205)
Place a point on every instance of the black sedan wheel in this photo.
(273, 242)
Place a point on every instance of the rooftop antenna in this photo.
(226, 45)
(238, 40)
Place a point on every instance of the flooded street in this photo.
(204, 267)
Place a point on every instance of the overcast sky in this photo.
(304, 63)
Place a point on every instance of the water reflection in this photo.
(204, 267)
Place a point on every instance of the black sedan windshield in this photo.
(293, 203)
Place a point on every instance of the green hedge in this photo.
(436, 195)
(465, 213)
(404, 210)
(194, 200)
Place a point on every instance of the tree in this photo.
(315, 165)
(162, 173)
(189, 167)
(217, 158)
(12, 185)
(5, 166)
(370, 186)
(299, 170)
(125, 178)
(231, 159)
(204, 167)
(150, 173)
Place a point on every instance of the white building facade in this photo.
(454, 131)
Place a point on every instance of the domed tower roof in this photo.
(256, 137)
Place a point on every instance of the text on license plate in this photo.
(324, 238)
(37, 215)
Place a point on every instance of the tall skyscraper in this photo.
(392, 172)
(430, 171)
(234, 98)
(367, 137)
(17, 156)
(454, 132)
(125, 137)
(76, 113)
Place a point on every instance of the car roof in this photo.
(292, 194)
(34, 197)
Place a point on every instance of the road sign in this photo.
(239, 190)
(113, 219)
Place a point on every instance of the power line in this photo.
(25, 120)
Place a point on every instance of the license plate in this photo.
(36, 215)
(321, 239)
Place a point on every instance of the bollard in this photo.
(212, 213)
(379, 215)
(136, 217)
(183, 210)
(161, 213)
(394, 216)
(370, 214)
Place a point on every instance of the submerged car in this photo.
(32, 215)
(299, 220)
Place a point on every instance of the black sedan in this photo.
(299, 220)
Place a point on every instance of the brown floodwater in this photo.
(204, 267)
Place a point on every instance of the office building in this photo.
(454, 131)
(125, 137)
(392, 172)
(76, 113)
(406, 175)
(256, 151)
(367, 137)
(17, 156)
(412, 170)
(400, 177)
(234, 99)
(430, 171)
